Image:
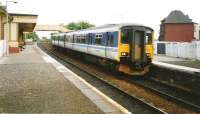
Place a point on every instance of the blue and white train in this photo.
(125, 47)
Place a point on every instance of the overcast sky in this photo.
(99, 12)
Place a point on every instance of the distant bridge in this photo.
(57, 28)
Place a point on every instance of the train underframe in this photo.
(123, 66)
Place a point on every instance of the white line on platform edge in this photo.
(49, 59)
(177, 66)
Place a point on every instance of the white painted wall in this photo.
(14, 30)
(196, 31)
(182, 49)
(2, 47)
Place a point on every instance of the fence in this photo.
(2, 47)
(178, 49)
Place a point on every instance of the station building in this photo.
(178, 27)
(17, 25)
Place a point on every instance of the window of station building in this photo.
(98, 39)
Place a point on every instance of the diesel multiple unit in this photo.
(126, 48)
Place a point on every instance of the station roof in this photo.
(26, 22)
(177, 16)
(20, 14)
(2, 10)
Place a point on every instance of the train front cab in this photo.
(135, 50)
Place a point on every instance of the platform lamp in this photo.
(8, 28)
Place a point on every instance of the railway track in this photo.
(142, 83)
(179, 96)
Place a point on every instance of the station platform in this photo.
(33, 82)
(187, 63)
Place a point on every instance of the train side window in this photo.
(98, 39)
(61, 38)
(66, 38)
(148, 38)
(77, 39)
(111, 40)
(82, 39)
(71, 38)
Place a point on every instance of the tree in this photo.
(71, 26)
(31, 35)
(79, 25)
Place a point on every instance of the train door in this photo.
(73, 41)
(137, 49)
(108, 35)
(89, 42)
(64, 40)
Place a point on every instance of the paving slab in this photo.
(178, 61)
(30, 85)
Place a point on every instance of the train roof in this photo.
(104, 28)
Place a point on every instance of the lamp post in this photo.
(8, 28)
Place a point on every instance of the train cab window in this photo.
(148, 37)
(126, 35)
(98, 39)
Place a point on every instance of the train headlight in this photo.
(124, 54)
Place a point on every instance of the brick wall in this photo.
(179, 32)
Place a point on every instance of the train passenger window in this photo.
(71, 38)
(98, 39)
(66, 39)
(83, 39)
(61, 38)
(126, 35)
(111, 40)
(148, 37)
(76, 39)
